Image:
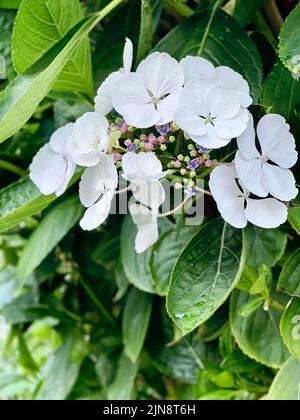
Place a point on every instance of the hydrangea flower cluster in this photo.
(145, 120)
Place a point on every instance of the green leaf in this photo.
(294, 218)
(10, 4)
(289, 46)
(258, 335)
(62, 369)
(286, 385)
(289, 280)
(136, 266)
(122, 387)
(54, 226)
(22, 199)
(245, 10)
(220, 395)
(22, 96)
(218, 37)
(290, 327)
(250, 307)
(205, 274)
(264, 246)
(281, 92)
(38, 27)
(164, 256)
(146, 30)
(136, 319)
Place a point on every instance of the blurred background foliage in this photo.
(78, 320)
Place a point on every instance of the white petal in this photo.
(146, 237)
(231, 128)
(70, 169)
(97, 214)
(131, 100)
(98, 179)
(48, 170)
(162, 74)
(228, 196)
(89, 139)
(211, 139)
(246, 141)
(127, 56)
(103, 102)
(167, 106)
(150, 194)
(198, 68)
(250, 172)
(188, 120)
(144, 166)
(222, 103)
(268, 213)
(141, 215)
(60, 138)
(279, 182)
(230, 79)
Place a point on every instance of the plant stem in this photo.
(277, 306)
(274, 15)
(180, 8)
(12, 168)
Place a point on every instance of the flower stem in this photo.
(176, 209)
(274, 15)
(180, 8)
(12, 168)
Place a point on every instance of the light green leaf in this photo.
(218, 37)
(286, 385)
(122, 387)
(289, 46)
(22, 96)
(290, 327)
(38, 27)
(62, 369)
(22, 199)
(289, 280)
(136, 319)
(264, 246)
(164, 256)
(280, 93)
(54, 226)
(258, 335)
(251, 307)
(205, 274)
(10, 4)
(294, 218)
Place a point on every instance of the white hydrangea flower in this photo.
(254, 167)
(103, 102)
(142, 166)
(52, 167)
(151, 94)
(236, 206)
(211, 116)
(89, 139)
(198, 68)
(96, 190)
(146, 221)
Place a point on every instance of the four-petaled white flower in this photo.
(151, 94)
(96, 190)
(267, 171)
(52, 167)
(89, 139)
(210, 115)
(198, 68)
(103, 103)
(236, 206)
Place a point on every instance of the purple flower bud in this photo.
(194, 164)
(163, 129)
(132, 148)
(190, 192)
(128, 143)
(201, 149)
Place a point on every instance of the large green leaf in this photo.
(22, 96)
(294, 218)
(289, 46)
(164, 256)
(54, 226)
(38, 27)
(289, 280)
(258, 335)
(290, 327)
(264, 246)
(135, 322)
(122, 387)
(22, 199)
(286, 385)
(219, 38)
(245, 10)
(205, 274)
(281, 92)
(10, 4)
